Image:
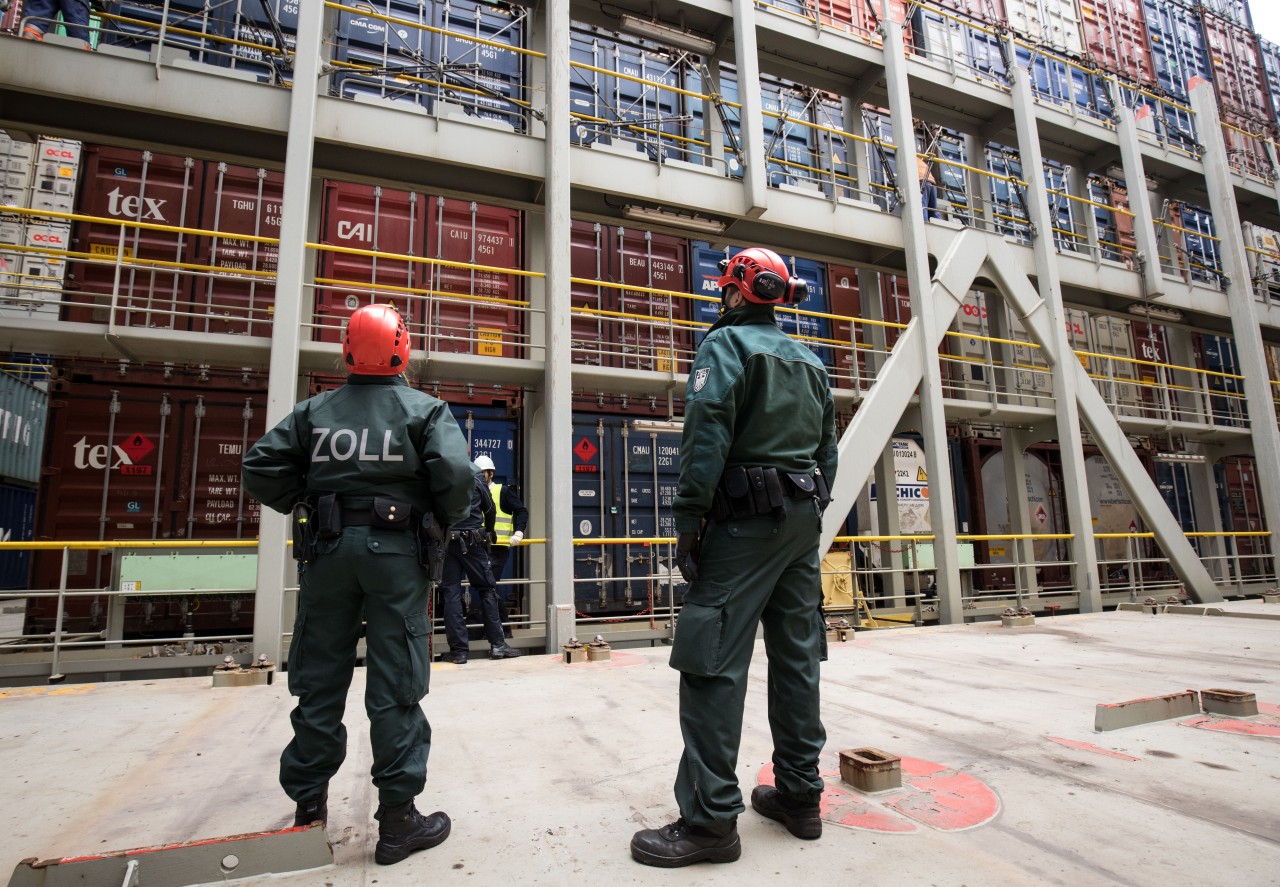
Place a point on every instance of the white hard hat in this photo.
(484, 463)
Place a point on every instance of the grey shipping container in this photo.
(24, 412)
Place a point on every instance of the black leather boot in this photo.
(403, 830)
(312, 810)
(680, 844)
(801, 814)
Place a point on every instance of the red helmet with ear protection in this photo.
(762, 277)
(376, 342)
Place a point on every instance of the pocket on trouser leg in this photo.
(822, 635)
(417, 667)
(700, 628)
(297, 642)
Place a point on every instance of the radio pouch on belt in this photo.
(822, 489)
(738, 490)
(304, 532)
(328, 517)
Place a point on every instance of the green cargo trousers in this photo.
(752, 571)
(374, 574)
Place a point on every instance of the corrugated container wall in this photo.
(1269, 54)
(1237, 70)
(1053, 23)
(1177, 45)
(24, 413)
(1236, 11)
(1115, 37)
(17, 524)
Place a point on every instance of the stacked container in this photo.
(42, 177)
(23, 417)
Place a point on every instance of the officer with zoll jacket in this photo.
(374, 472)
(757, 454)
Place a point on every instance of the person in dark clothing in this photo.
(39, 16)
(372, 472)
(758, 452)
(510, 522)
(468, 556)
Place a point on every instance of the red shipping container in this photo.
(238, 201)
(1245, 141)
(589, 260)
(653, 333)
(1116, 40)
(473, 311)
(860, 17)
(11, 17)
(137, 186)
(989, 12)
(367, 217)
(1237, 69)
(846, 305)
(140, 457)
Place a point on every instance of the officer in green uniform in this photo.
(373, 472)
(756, 458)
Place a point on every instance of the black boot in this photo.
(403, 830)
(312, 810)
(801, 814)
(506, 651)
(680, 844)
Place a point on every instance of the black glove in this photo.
(687, 551)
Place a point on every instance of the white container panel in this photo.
(1053, 23)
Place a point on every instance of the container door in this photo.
(594, 513)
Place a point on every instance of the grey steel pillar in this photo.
(558, 376)
(942, 513)
(1135, 179)
(1243, 308)
(1075, 483)
(751, 133)
(274, 558)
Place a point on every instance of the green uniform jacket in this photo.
(374, 436)
(754, 397)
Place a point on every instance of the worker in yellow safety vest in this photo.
(511, 522)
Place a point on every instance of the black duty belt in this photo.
(749, 491)
(382, 512)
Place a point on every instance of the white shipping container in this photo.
(1053, 23)
(15, 196)
(62, 152)
(11, 230)
(57, 202)
(12, 148)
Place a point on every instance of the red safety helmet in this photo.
(376, 342)
(762, 277)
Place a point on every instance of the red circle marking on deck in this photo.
(1265, 725)
(931, 794)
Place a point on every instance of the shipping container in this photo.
(622, 325)
(11, 17)
(849, 359)
(1009, 203)
(142, 457)
(1240, 502)
(237, 293)
(1117, 241)
(1177, 45)
(807, 322)
(1234, 11)
(369, 218)
(1115, 39)
(17, 524)
(1224, 378)
(1264, 262)
(1246, 144)
(1052, 23)
(990, 500)
(231, 34)
(1269, 56)
(624, 481)
(24, 410)
(1238, 76)
(857, 17)
(461, 56)
(473, 310)
(632, 94)
(133, 186)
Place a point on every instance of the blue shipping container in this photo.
(17, 524)
(810, 330)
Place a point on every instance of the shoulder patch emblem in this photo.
(700, 378)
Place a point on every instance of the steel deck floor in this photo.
(547, 769)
